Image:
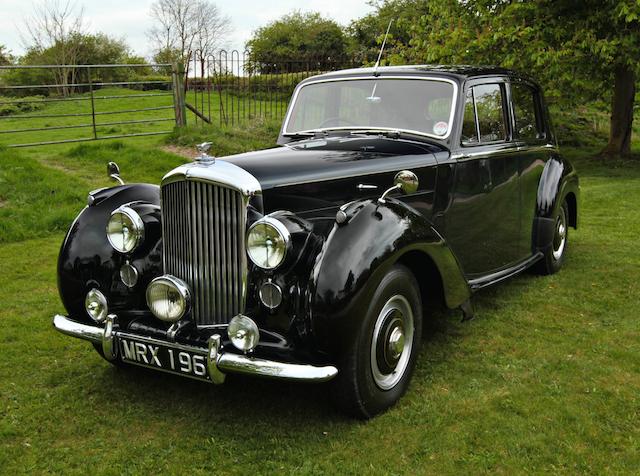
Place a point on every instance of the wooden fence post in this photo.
(179, 94)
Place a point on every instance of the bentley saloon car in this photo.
(392, 189)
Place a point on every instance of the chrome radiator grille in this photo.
(203, 228)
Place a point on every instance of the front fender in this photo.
(87, 259)
(357, 255)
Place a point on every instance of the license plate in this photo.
(172, 358)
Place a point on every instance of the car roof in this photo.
(459, 72)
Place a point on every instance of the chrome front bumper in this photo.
(219, 363)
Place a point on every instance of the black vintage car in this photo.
(393, 188)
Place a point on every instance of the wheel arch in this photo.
(558, 182)
(358, 254)
(572, 203)
(427, 275)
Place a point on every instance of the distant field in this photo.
(546, 379)
(76, 111)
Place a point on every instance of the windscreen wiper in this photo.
(305, 134)
(377, 132)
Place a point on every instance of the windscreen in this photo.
(417, 105)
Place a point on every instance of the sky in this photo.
(129, 19)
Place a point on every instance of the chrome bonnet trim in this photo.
(219, 172)
(218, 361)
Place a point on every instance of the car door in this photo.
(483, 217)
(532, 137)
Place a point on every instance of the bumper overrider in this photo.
(215, 362)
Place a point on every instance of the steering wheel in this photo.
(328, 122)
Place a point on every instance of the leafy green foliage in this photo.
(367, 33)
(571, 50)
(5, 56)
(295, 37)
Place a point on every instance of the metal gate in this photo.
(77, 103)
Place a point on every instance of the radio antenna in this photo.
(384, 42)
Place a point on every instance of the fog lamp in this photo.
(243, 332)
(96, 305)
(168, 298)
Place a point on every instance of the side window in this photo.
(528, 123)
(484, 118)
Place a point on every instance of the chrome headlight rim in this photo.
(138, 230)
(177, 284)
(281, 229)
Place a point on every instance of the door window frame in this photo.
(503, 83)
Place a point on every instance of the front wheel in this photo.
(377, 368)
(555, 254)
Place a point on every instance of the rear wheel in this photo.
(555, 254)
(376, 370)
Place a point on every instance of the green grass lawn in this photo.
(545, 379)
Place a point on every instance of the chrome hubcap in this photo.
(392, 342)
(396, 343)
(560, 237)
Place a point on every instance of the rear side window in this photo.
(484, 117)
(528, 121)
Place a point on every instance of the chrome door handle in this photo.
(364, 186)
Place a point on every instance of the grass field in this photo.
(545, 379)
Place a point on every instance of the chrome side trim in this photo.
(218, 362)
(513, 148)
(379, 78)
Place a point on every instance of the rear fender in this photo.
(558, 180)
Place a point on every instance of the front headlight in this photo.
(267, 242)
(168, 298)
(125, 230)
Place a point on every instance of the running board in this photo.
(495, 278)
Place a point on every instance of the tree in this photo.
(296, 37)
(53, 27)
(5, 56)
(367, 33)
(183, 26)
(585, 51)
(211, 30)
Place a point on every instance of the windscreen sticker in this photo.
(440, 128)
